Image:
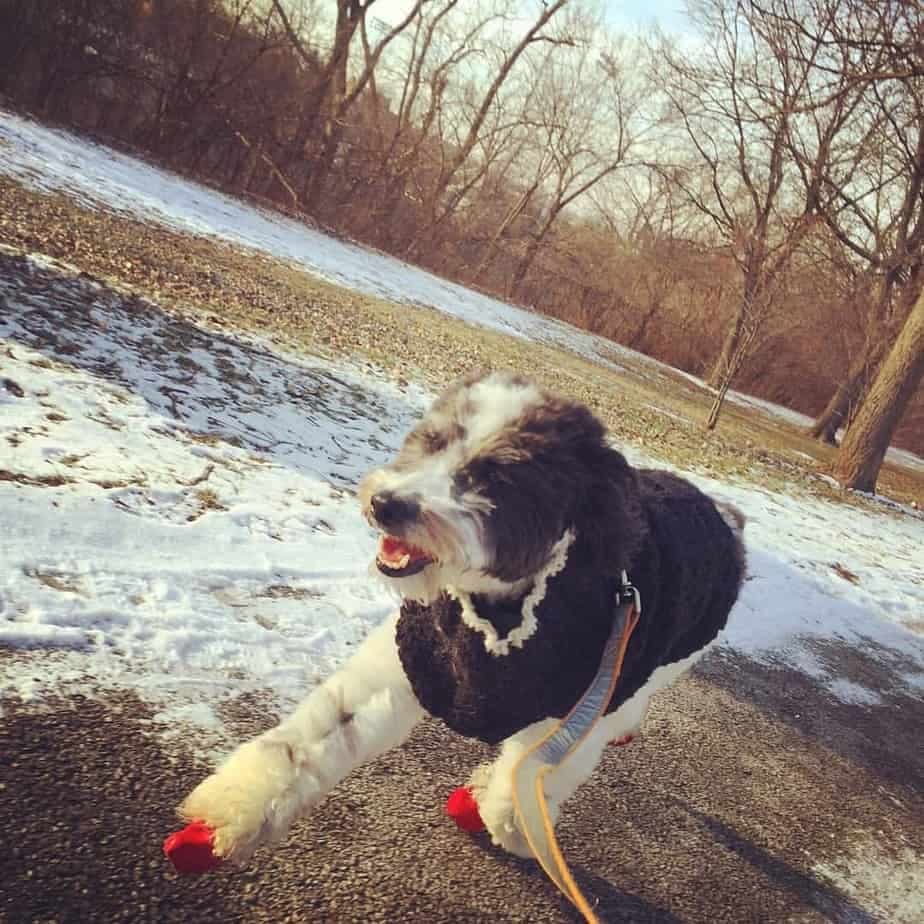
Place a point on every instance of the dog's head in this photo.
(488, 482)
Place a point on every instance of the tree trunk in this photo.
(330, 94)
(465, 148)
(526, 261)
(835, 414)
(865, 444)
(718, 372)
(844, 403)
(717, 403)
(636, 341)
(322, 165)
(735, 362)
(512, 215)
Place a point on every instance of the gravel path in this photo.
(753, 796)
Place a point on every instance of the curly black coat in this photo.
(676, 547)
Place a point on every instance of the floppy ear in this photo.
(605, 507)
(566, 425)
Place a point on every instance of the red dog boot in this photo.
(190, 850)
(619, 742)
(462, 808)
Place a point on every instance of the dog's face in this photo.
(482, 488)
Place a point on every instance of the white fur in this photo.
(733, 517)
(451, 527)
(451, 530)
(430, 477)
(428, 584)
(362, 711)
(266, 784)
(492, 783)
(528, 624)
(498, 403)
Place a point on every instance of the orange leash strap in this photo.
(543, 758)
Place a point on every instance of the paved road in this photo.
(749, 782)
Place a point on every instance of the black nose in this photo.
(390, 510)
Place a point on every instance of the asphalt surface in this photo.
(747, 781)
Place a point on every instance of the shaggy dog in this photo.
(507, 521)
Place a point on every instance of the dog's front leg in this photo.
(266, 784)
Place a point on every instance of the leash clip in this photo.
(628, 593)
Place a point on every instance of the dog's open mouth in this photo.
(397, 558)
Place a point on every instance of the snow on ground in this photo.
(180, 499)
(98, 177)
(178, 514)
(881, 876)
(801, 421)
(819, 571)
(191, 509)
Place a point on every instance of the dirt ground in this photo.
(230, 288)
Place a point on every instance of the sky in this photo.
(629, 14)
(621, 14)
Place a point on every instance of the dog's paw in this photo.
(490, 784)
(499, 816)
(250, 801)
(480, 779)
(238, 829)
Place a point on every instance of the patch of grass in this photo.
(208, 500)
(108, 484)
(206, 439)
(255, 293)
(845, 573)
(105, 420)
(73, 458)
(64, 583)
(40, 481)
(286, 591)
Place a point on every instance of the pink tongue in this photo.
(392, 550)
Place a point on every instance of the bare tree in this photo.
(442, 205)
(735, 105)
(586, 112)
(779, 214)
(409, 150)
(332, 96)
(871, 191)
(871, 197)
(529, 165)
(864, 447)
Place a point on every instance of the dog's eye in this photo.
(463, 481)
(479, 472)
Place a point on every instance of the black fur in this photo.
(549, 470)
(668, 536)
